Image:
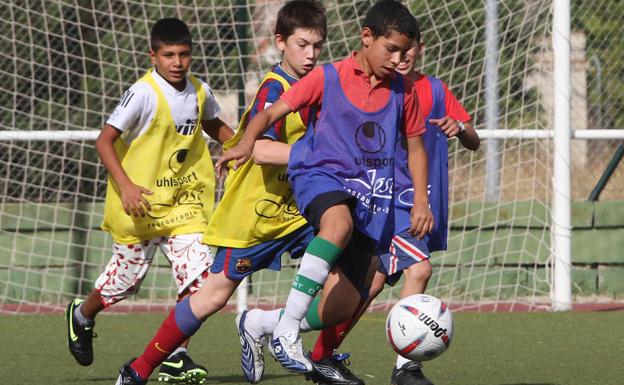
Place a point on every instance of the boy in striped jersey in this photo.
(257, 220)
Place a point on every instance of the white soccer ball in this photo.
(419, 327)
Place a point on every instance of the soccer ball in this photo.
(419, 327)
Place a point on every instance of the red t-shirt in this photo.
(454, 109)
(356, 85)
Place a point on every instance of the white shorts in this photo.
(190, 261)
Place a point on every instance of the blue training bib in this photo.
(436, 145)
(353, 151)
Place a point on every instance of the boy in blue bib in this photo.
(408, 255)
(342, 170)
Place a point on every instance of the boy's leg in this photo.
(265, 255)
(332, 306)
(330, 339)
(416, 278)
(348, 297)
(190, 261)
(329, 368)
(183, 321)
(123, 276)
(407, 372)
(335, 231)
(340, 299)
(408, 256)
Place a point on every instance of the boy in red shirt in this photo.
(408, 255)
(342, 170)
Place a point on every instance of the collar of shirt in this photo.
(358, 71)
(163, 83)
(278, 69)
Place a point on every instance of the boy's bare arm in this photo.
(256, 127)
(217, 130)
(132, 198)
(271, 152)
(468, 138)
(421, 216)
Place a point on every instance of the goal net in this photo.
(66, 64)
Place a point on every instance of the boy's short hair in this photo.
(390, 15)
(170, 31)
(306, 14)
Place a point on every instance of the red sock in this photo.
(167, 339)
(330, 339)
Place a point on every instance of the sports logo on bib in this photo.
(370, 137)
(285, 211)
(176, 160)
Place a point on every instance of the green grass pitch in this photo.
(487, 349)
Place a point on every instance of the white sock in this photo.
(311, 276)
(82, 320)
(304, 327)
(180, 349)
(401, 361)
(262, 322)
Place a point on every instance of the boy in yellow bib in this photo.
(160, 191)
(257, 219)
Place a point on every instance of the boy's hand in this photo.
(133, 201)
(421, 219)
(239, 153)
(448, 125)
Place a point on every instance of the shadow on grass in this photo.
(239, 379)
(531, 383)
(234, 379)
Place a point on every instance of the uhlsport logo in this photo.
(176, 160)
(370, 137)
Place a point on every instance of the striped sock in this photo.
(313, 271)
(312, 320)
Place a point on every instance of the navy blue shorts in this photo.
(237, 263)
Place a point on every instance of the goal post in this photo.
(562, 221)
(66, 67)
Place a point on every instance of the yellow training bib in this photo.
(178, 170)
(258, 204)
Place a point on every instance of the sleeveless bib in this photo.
(178, 170)
(435, 142)
(258, 204)
(353, 151)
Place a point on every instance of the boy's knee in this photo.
(337, 224)
(419, 272)
(207, 305)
